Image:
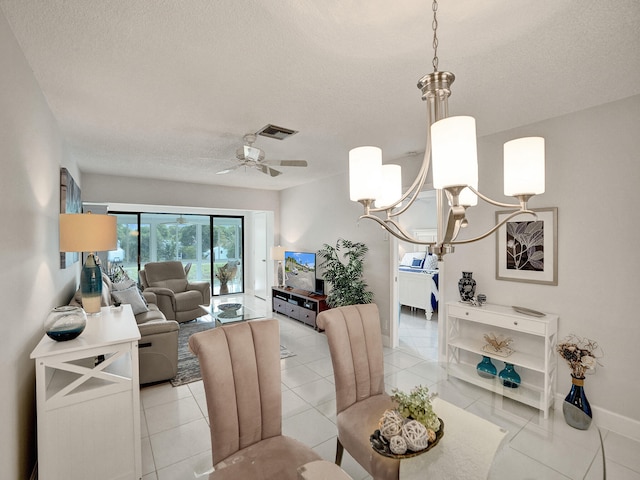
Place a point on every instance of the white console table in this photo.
(534, 345)
(88, 401)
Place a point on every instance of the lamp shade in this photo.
(277, 253)
(390, 185)
(454, 152)
(365, 164)
(524, 169)
(86, 232)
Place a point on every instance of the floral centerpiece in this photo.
(581, 354)
(411, 428)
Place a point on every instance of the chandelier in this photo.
(451, 145)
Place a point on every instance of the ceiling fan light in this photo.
(365, 165)
(524, 166)
(454, 152)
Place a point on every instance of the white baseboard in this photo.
(608, 420)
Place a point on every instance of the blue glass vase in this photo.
(576, 408)
(486, 369)
(509, 376)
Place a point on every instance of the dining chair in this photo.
(355, 344)
(240, 366)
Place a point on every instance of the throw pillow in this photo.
(431, 262)
(132, 297)
(124, 285)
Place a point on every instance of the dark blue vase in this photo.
(576, 408)
(486, 369)
(509, 376)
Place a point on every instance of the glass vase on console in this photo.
(486, 368)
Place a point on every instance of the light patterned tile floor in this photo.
(175, 429)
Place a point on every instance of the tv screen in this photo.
(300, 270)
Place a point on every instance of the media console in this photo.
(299, 304)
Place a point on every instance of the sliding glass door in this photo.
(227, 255)
(159, 237)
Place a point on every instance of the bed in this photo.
(418, 282)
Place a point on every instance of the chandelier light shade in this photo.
(365, 164)
(86, 232)
(390, 185)
(524, 170)
(451, 153)
(454, 152)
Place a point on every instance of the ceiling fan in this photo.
(253, 157)
(178, 221)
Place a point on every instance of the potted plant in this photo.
(343, 267)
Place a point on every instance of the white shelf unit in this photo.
(88, 401)
(534, 345)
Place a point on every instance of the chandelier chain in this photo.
(434, 26)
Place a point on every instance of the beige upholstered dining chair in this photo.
(355, 343)
(240, 367)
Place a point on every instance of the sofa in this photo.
(158, 345)
(177, 298)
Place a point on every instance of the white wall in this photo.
(593, 171)
(32, 282)
(592, 176)
(320, 212)
(122, 189)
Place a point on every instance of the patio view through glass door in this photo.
(159, 237)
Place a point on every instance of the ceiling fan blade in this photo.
(268, 170)
(289, 163)
(227, 170)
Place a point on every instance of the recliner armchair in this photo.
(178, 299)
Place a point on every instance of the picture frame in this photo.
(70, 202)
(527, 248)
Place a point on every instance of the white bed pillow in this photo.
(408, 258)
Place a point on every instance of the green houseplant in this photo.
(343, 265)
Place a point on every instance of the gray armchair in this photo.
(177, 298)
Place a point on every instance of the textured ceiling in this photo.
(167, 89)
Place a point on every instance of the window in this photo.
(158, 237)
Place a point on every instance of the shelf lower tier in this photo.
(528, 394)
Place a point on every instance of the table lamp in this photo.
(277, 253)
(86, 232)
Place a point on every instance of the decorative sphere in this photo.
(65, 323)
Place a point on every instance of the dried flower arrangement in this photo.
(226, 272)
(581, 354)
(498, 344)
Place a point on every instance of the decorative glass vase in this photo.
(576, 408)
(486, 369)
(467, 286)
(510, 378)
(65, 323)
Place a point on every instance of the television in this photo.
(300, 270)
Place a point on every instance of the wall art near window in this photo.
(70, 202)
(527, 248)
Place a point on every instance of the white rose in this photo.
(587, 361)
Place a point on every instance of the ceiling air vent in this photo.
(273, 131)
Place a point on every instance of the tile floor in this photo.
(175, 430)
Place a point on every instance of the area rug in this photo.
(188, 366)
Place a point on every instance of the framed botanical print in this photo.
(70, 202)
(527, 247)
